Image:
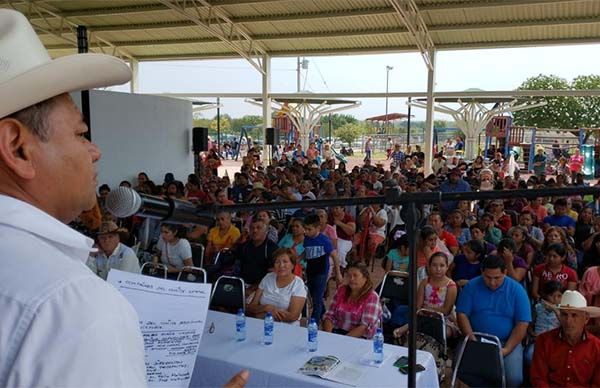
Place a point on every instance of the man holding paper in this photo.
(60, 324)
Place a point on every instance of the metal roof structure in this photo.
(151, 30)
(388, 117)
(258, 30)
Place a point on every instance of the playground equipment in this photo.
(380, 122)
(557, 143)
(305, 114)
(243, 135)
(472, 115)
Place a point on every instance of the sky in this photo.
(492, 69)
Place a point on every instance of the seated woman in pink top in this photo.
(355, 310)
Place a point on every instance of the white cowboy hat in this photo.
(28, 75)
(573, 300)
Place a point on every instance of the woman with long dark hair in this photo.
(355, 310)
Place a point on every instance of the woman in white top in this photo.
(175, 252)
(280, 292)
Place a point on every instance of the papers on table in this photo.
(172, 317)
(332, 368)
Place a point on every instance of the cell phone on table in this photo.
(404, 369)
(401, 362)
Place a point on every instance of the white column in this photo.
(266, 105)
(134, 84)
(428, 141)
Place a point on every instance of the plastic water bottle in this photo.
(378, 347)
(240, 326)
(268, 340)
(313, 331)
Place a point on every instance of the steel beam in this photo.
(217, 23)
(43, 24)
(409, 15)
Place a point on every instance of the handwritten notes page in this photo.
(172, 316)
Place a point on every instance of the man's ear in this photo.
(17, 146)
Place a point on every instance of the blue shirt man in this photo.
(454, 184)
(560, 217)
(496, 304)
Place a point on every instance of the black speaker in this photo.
(199, 139)
(272, 136)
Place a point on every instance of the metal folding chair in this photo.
(433, 324)
(198, 254)
(229, 294)
(395, 287)
(198, 275)
(480, 363)
(150, 269)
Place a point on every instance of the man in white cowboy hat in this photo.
(60, 324)
(568, 356)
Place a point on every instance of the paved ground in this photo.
(230, 167)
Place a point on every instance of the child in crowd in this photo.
(478, 233)
(493, 235)
(553, 270)
(557, 235)
(545, 314)
(398, 255)
(536, 236)
(317, 250)
(516, 266)
(456, 226)
(468, 265)
(437, 292)
(521, 238)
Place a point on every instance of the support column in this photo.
(82, 48)
(428, 141)
(134, 84)
(266, 106)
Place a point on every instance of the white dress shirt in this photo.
(122, 258)
(60, 324)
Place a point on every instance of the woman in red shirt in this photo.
(553, 269)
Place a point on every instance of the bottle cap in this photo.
(269, 314)
(312, 320)
(240, 311)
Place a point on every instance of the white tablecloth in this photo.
(220, 357)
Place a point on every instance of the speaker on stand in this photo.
(271, 140)
(199, 144)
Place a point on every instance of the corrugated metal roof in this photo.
(151, 30)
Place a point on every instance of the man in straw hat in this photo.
(60, 325)
(111, 253)
(568, 356)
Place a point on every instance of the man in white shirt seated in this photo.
(111, 253)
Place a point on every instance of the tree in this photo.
(337, 121)
(248, 120)
(225, 125)
(440, 124)
(349, 132)
(559, 112)
(589, 107)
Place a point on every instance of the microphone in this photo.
(124, 202)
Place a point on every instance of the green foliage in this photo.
(559, 112)
(349, 132)
(337, 121)
(589, 107)
(440, 123)
(237, 124)
(225, 124)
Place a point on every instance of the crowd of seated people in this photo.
(492, 266)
